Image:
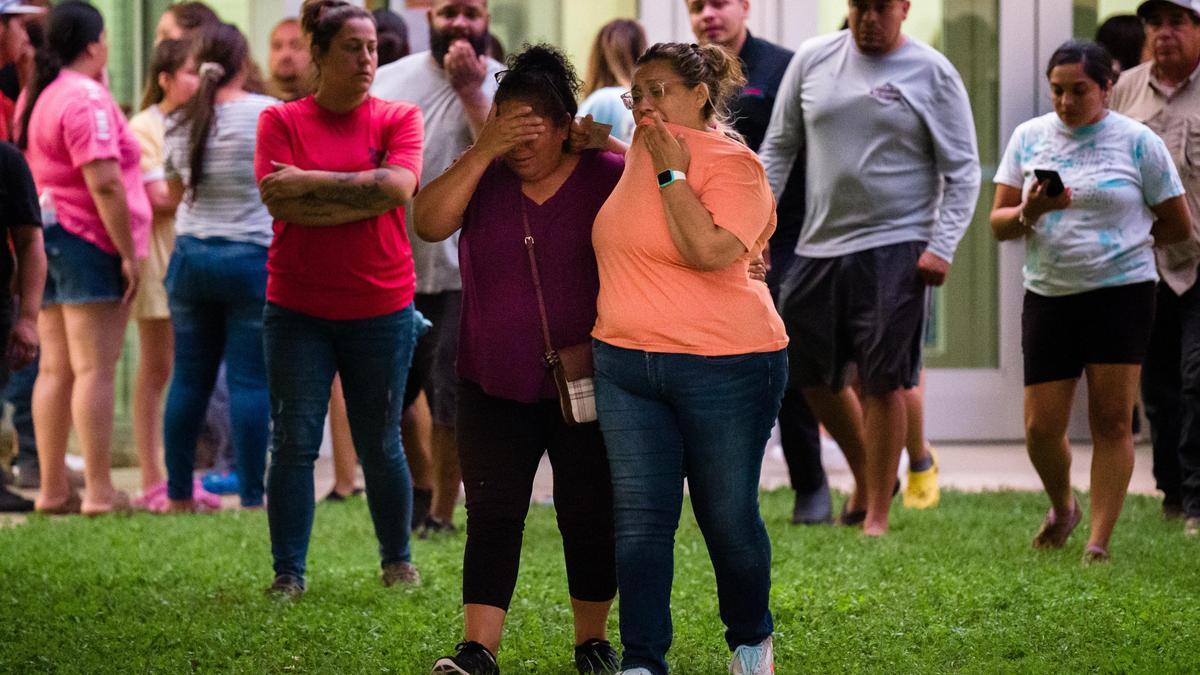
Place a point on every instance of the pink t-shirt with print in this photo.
(74, 122)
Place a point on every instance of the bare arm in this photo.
(703, 244)
(322, 198)
(467, 72)
(1174, 222)
(438, 210)
(103, 178)
(31, 280)
(1007, 207)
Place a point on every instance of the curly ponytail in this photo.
(72, 27)
(710, 65)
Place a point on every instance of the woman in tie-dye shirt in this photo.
(1089, 278)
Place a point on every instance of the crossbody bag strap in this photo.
(551, 356)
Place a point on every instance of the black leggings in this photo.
(500, 443)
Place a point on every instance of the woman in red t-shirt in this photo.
(335, 170)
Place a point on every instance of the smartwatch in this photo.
(670, 176)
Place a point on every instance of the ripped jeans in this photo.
(373, 357)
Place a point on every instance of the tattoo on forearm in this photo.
(368, 195)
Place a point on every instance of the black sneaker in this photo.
(11, 502)
(286, 586)
(433, 527)
(596, 656)
(472, 659)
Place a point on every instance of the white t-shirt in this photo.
(1116, 169)
(418, 79)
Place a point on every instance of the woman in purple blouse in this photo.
(522, 167)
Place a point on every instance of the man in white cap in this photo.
(14, 44)
(1163, 94)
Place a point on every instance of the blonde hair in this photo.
(614, 55)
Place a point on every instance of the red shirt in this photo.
(355, 270)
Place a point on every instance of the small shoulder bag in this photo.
(572, 366)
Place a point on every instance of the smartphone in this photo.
(1054, 184)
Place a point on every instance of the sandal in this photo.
(120, 504)
(70, 506)
(1093, 555)
(856, 518)
(1054, 534)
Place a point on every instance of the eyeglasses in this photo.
(656, 91)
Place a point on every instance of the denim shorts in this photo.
(77, 271)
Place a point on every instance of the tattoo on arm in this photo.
(351, 190)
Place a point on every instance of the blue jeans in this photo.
(373, 357)
(217, 289)
(670, 416)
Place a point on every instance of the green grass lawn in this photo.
(954, 589)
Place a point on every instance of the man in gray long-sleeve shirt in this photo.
(885, 126)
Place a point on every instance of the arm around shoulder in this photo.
(1173, 222)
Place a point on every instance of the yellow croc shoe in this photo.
(921, 491)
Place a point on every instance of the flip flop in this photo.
(1054, 533)
(71, 506)
(856, 518)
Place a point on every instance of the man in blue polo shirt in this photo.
(723, 22)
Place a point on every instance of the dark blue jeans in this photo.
(670, 416)
(217, 290)
(373, 357)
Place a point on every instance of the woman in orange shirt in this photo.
(689, 352)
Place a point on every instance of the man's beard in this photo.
(439, 44)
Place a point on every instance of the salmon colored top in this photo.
(650, 299)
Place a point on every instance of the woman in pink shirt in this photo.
(86, 164)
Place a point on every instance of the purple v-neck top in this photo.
(500, 344)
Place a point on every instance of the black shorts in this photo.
(433, 368)
(867, 308)
(1060, 335)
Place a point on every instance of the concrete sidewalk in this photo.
(967, 467)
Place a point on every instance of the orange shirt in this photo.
(650, 299)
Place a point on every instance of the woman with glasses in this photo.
(1091, 192)
(522, 179)
(689, 353)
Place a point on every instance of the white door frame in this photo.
(961, 404)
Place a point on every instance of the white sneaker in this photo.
(635, 671)
(756, 659)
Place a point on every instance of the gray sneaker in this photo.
(636, 671)
(401, 573)
(756, 659)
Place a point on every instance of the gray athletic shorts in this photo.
(866, 308)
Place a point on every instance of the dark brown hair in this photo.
(710, 65)
(1097, 62)
(322, 19)
(169, 56)
(614, 55)
(193, 16)
(542, 76)
(221, 56)
(71, 28)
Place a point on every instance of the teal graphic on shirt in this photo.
(1117, 169)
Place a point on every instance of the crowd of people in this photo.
(469, 264)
